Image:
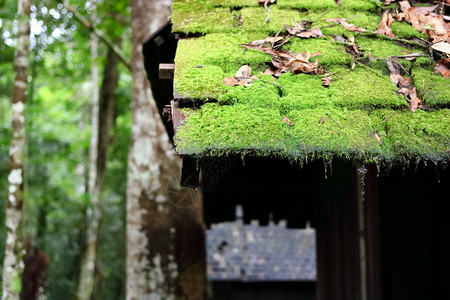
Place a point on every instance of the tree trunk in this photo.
(162, 261)
(13, 262)
(86, 281)
(151, 268)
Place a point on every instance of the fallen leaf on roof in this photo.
(244, 72)
(350, 47)
(347, 25)
(326, 80)
(411, 95)
(442, 47)
(405, 85)
(242, 77)
(268, 41)
(443, 67)
(287, 121)
(410, 56)
(275, 72)
(301, 31)
(290, 61)
(425, 20)
(384, 27)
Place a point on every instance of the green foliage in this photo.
(58, 132)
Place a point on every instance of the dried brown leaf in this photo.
(230, 81)
(399, 80)
(347, 25)
(268, 41)
(442, 47)
(385, 25)
(244, 72)
(424, 20)
(326, 80)
(415, 103)
(242, 77)
(273, 71)
(301, 32)
(411, 95)
(287, 121)
(443, 67)
(322, 120)
(289, 61)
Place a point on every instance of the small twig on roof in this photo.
(387, 118)
(400, 65)
(342, 127)
(268, 12)
(278, 33)
(410, 56)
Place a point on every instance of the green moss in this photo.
(332, 52)
(378, 47)
(198, 18)
(421, 134)
(302, 91)
(253, 18)
(359, 19)
(403, 29)
(364, 88)
(249, 119)
(359, 4)
(201, 64)
(230, 127)
(307, 4)
(347, 134)
(206, 19)
(234, 3)
(197, 83)
(260, 94)
(432, 87)
(241, 127)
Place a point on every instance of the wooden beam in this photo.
(166, 71)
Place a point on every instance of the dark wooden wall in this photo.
(405, 231)
(415, 228)
(222, 290)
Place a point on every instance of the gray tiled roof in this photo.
(240, 252)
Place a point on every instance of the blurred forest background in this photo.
(58, 130)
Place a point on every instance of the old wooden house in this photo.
(333, 119)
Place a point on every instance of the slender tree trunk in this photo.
(86, 281)
(106, 124)
(151, 268)
(13, 262)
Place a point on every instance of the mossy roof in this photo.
(325, 122)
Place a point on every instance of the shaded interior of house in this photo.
(377, 233)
